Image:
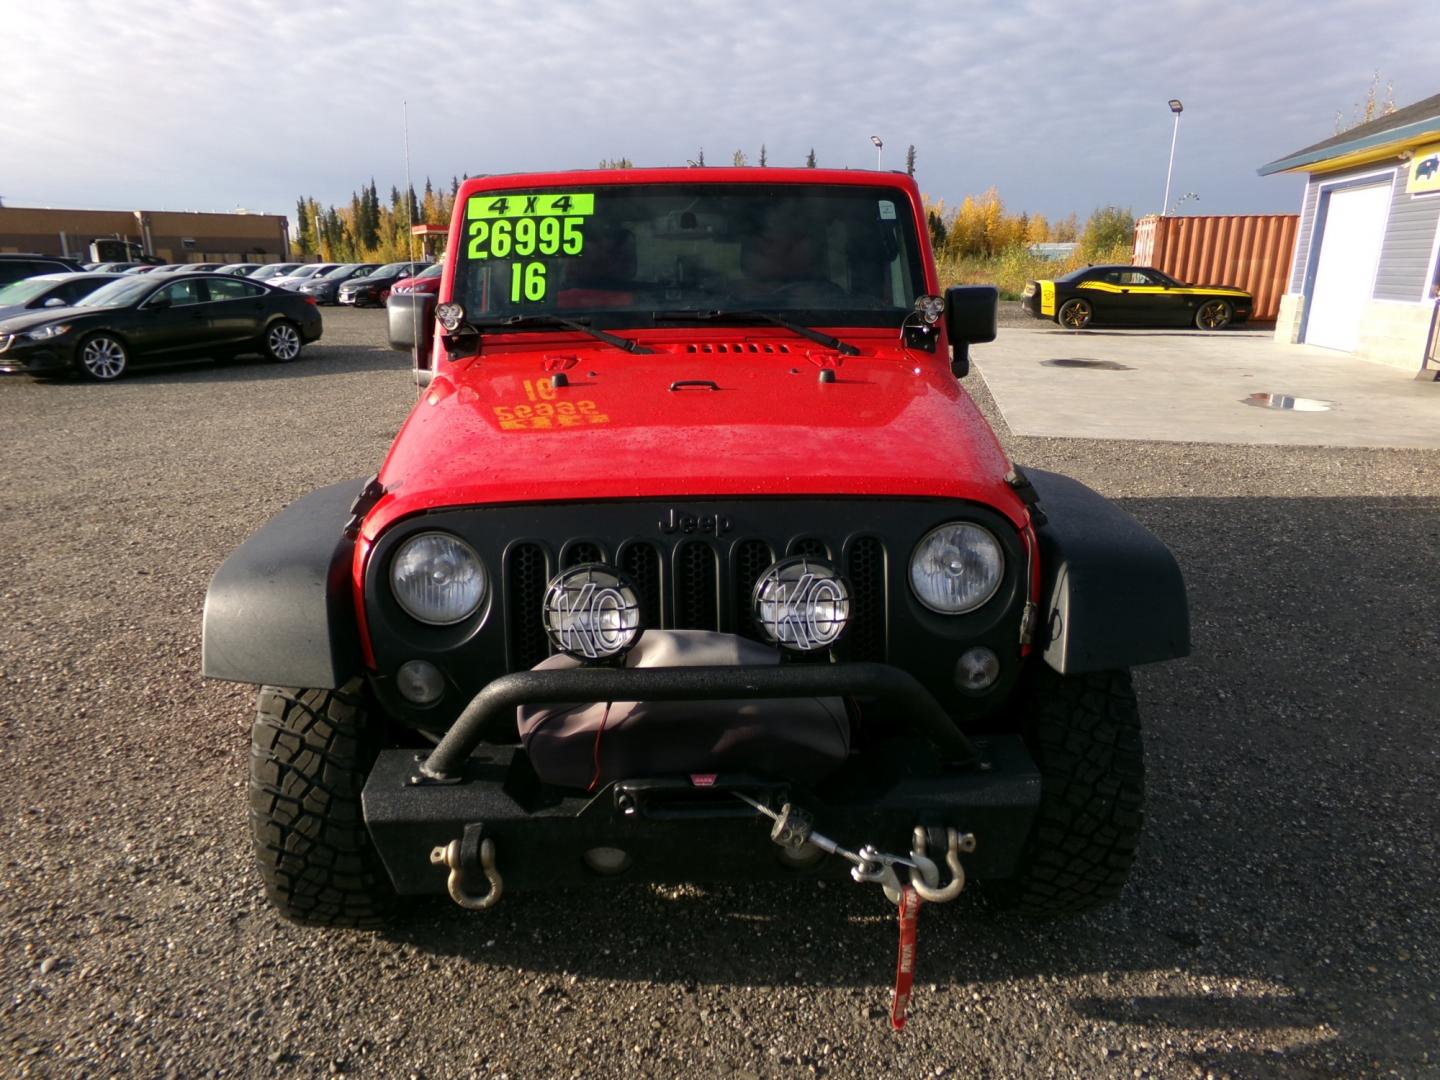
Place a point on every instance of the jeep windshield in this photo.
(637, 255)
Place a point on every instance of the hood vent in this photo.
(736, 347)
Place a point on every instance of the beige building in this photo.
(173, 236)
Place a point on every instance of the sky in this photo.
(220, 104)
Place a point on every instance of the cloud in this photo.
(1062, 107)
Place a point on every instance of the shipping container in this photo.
(1248, 251)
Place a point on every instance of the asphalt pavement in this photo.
(1282, 919)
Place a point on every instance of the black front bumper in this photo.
(694, 828)
(33, 358)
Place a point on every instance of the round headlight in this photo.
(591, 612)
(802, 604)
(956, 568)
(437, 578)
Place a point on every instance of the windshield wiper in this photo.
(545, 319)
(695, 315)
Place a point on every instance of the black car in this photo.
(1133, 296)
(46, 291)
(326, 287)
(18, 267)
(147, 320)
(375, 287)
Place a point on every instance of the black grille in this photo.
(708, 584)
(865, 637)
(525, 580)
(752, 558)
(641, 564)
(810, 547)
(582, 551)
(695, 592)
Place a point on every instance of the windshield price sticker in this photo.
(575, 204)
(522, 227)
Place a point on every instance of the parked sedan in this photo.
(49, 291)
(296, 278)
(326, 287)
(239, 269)
(1133, 296)
(136, 321)
(274, 270)
(427, 281)
(375, 287)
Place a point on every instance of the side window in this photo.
(184, 292)
(15, 270)
(1111, 277)
(233, 289)
(71, 291)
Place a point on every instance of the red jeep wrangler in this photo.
(694, 562)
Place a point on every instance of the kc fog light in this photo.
(802, 604)
(591, 612)
(977, 669)
(419, 682)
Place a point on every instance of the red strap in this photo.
(905, 967)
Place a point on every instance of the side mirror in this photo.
(971, 318)
(158, 302)
(411, 319)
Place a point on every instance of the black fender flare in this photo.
(280, 609)
(1112, 595)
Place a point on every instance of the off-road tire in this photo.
(310, 752)
(1084, 732)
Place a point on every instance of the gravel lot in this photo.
(1283, 920)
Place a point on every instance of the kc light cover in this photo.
(802, 603)
(591, 612)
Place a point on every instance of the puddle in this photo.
(1285, 401)
(1086, 362)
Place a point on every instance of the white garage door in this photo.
(1345, 276)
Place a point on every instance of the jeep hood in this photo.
(748, 416)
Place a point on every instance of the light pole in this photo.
(878, 144)
(1177, 109)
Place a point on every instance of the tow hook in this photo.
(928, 881)
(457, 855)
(794, 828)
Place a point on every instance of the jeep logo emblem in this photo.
(677, 521)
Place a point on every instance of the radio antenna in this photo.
(410, 232)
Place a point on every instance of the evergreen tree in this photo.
(910, 161)
(394, 197)
(810, 159)
(304, 233)
(414, 206)
(701, 159)
(762, 155)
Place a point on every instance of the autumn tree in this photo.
(738, 159)
(1374, 105)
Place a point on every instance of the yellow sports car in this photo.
(1133, 296)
